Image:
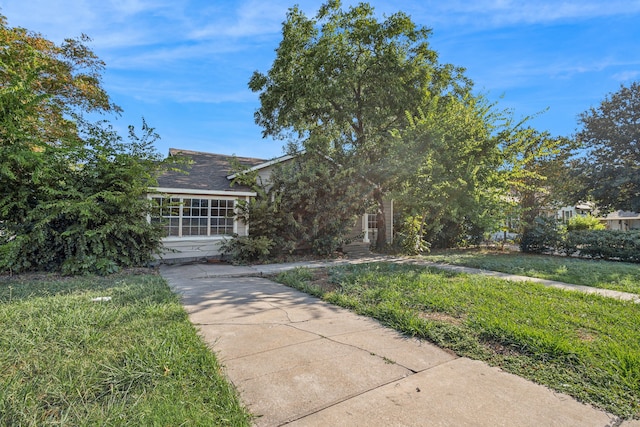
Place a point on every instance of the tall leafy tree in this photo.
(342, 82)
(45, 89)
(610, 172)
(450, 191)
(535, 167)
(71, 191)
(64, 79)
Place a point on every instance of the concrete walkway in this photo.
(299, 361)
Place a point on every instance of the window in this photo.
(183, 216)
(372, 221)
(566, 215)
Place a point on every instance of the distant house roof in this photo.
(622, 215)
(208, 172)
(585, 206)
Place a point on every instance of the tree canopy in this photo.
(343, 81)
(610, 172)
(60, 82)
(450, 180)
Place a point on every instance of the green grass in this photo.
(583, 345)
(617, 276)
(133, 360)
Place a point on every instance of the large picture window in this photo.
(186, 216)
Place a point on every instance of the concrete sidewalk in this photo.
(299, 361)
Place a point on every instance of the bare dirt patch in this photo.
(504, 350)
(441, 317)
(586, 335)
(322, 280)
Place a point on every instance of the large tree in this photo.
(342, 83)
(71, 191)
(450, 193)
(610, 171)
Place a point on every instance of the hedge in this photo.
(603, 244)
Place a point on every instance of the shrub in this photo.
(411, 238)
(308, 205)
(544, 235)
(90, 212)
(584, 223)
(604, 244)
(244, 249)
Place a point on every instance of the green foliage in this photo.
(308, 205)
(372, 96)
(55, 82)
(610, 172)
(548, 235)
(245, 249)
(342, 82)
(544, 235)
(586, 222)
(535, 173)
(604, 244)
(72, 193)
(90, 212)
(450, 176)
(410, 236)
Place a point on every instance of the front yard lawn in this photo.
(131, 358)
(584, 345)
(617, 276)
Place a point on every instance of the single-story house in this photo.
(198, 208)
(622, 220)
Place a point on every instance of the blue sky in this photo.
(184, 65)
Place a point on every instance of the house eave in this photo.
(264, 165)
(167, 190)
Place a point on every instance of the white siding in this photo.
(180, 248)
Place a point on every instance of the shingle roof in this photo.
(208, 171)
(623, 215)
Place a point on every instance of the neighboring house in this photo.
(198, 208)
(622, 220)
(565, 213)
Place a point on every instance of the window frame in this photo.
(184, 225)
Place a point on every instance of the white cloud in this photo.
(496, 13)
(248, 19)
(625, 76)
(165, 56)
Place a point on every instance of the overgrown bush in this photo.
(309, 205)
(245, 249)
(72, 193)
(544, 235)
(81, 208)
(410, 237)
